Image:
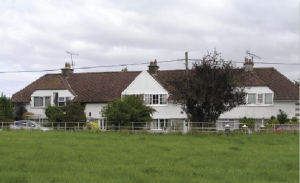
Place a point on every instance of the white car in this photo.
(27, 125)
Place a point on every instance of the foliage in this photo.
(70, 113)
(19, 110)
(250, 122)
(211, 88)
(124, 70)
(25, 115)
(282, 117)
(296, 82)
(272, 120)
(294, 121)
(128, 109)
(6, 109)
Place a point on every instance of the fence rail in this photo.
(151, 127)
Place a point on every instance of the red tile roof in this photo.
(105, 86)
(283, 88)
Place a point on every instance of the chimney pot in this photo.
(153, 67)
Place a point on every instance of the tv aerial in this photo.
(72, 58)
(252, 55)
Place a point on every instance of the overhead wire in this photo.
(120, 65)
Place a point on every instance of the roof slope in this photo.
(24, 95)
(105, 86)
(283, 88)
(100, 86)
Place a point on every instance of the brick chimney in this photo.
(153, 67)
(66, 71)
(248, 64)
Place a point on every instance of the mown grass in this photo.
(56, 156)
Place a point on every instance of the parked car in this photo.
(286, 128)
(27, 125)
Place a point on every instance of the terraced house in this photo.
(268, 92)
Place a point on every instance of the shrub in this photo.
(250, 122)
(282, 117)
(295, 119)
(272, 120)
(25, 117)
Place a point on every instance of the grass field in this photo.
(61, 156)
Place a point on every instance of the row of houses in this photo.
(268, 92)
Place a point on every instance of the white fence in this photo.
(151, 127)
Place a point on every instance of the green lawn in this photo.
(60, 156)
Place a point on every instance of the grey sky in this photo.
(35, 35)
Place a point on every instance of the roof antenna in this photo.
(252, 55)
(72, 58)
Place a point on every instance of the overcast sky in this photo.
(35, 35)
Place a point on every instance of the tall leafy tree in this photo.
(128, 109)
(6, 109)
(210, 88)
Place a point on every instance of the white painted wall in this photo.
(144, 83)
(94, 108)
(169, 112)
(259, 112)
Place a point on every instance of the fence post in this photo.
(65, 125)
(119, 126)
(132, 126)
(2, 125)
(52, 125)
(78, 125)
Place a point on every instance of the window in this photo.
(268, 97)
(161, 124)
(251, 98)
(41, 101)
(60, 101)
(260, 98)
(155, 99)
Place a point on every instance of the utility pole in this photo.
(186, 63)
(72, 58)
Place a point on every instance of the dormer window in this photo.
(260, 98)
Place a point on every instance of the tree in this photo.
(6, 109)
(128, 109)
(296, 82)
(124, 70)
(282, 117)
(210, 88)
(19, 110)
(74, 112)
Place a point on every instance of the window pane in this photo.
(161, 121)
(41, 101)
(61, 99)
(36, 102)
(268, 99)
(61, 103)
(155, 99)
(47, 101)
(68, 99)
(163, 99)
(260, 98)
(251, 98)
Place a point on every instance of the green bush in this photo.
(272, 120)
(250, 122)
(282, 117)
(293, 121)
(70, 113)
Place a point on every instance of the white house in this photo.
(269, 91)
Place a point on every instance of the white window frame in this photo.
(260, 99)
(43, 99)
(155, 99)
